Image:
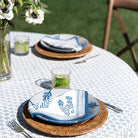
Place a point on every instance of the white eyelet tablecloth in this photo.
(106, 76)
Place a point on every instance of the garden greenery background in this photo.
(86, 18)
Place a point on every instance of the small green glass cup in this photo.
(21, 45)
(61, 78)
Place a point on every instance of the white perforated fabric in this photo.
(106, 76)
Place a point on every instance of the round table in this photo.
(106, 76)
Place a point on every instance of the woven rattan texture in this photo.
(71, 130)
(51, 54)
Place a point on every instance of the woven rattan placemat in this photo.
(43, 51)
(67, 130)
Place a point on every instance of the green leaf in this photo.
(44, 5)
(38, 3)
(20, 2)
(16, 9)
(46, 11)
(2, 2)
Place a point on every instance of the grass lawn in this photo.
(85, 18)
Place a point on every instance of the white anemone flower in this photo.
(8, 15)
(6, 12)
(9, 4)
(33, 18)
(35, 0)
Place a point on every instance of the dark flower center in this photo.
(5, 10)
(6, 2)
(34, 15)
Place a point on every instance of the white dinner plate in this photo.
(64, 42)
(93, 107)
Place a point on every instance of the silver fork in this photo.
(112, 107)
(15, 126)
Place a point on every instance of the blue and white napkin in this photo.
(70, 105)
(60, 44)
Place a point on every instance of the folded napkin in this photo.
(70, 105)
(56, 43)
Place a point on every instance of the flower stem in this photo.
(4, 52)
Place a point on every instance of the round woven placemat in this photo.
(43, 51)
(67, 130)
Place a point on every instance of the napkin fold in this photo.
(56, 43)
(71, 105)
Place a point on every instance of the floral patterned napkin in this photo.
(58, 43)
(70, 105)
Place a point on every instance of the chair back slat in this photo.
(127, 4)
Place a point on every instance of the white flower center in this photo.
(6, 2)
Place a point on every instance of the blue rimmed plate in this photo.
(93, 107)
(64, 43)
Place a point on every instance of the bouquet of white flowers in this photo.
(34, 10)
(34, 14)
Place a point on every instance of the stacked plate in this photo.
(63, 106)
(64, 43)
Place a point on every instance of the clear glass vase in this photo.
(5, 53)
